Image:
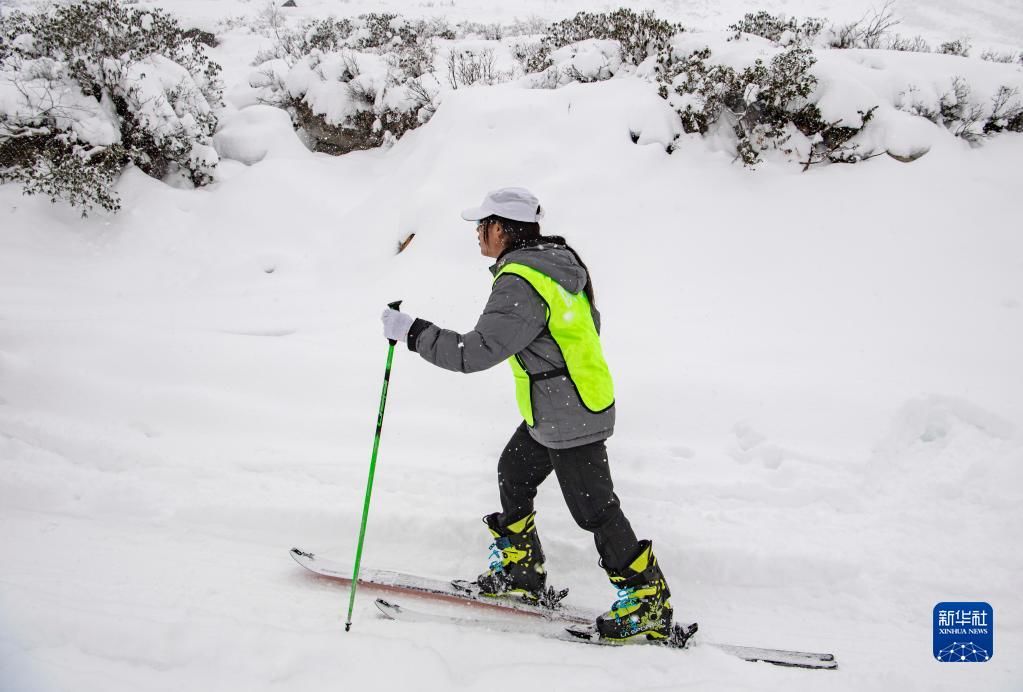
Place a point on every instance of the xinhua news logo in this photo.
(964, 632)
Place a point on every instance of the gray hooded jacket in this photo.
(515, 322)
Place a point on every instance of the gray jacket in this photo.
(515, 322)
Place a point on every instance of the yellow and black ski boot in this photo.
(642, 611)
(516, 567)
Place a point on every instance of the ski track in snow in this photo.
(822, 437)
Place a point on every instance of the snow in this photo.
(817, 375)
(255, 132)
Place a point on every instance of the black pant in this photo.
(585, 479)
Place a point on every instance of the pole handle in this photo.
(396, 305)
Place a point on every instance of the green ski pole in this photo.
(372, 471)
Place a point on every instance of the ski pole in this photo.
(372, 471)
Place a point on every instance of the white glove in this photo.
(396, 324)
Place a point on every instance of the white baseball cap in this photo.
(516, 203)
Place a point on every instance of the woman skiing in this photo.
(542, 318)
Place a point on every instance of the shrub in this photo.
(353, 83)
(831, 143)
(995, 56)
(91, 87)
(911, 101)
(57, 168)
(204, 37)
(957, 111)
(772, 97)
(531, 26)
(1006, 112)
(410, 41)
(917, 44)
(868, 32)
(844, 36)
(960, 47)
(468, 66)
(436, 27)
(490, 32)
(592, 60)
(764, 105)
(697, 90)
(953, 109)
(639, 35)
(778, 29)
(291, 45)
(531, 55)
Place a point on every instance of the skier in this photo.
(541, 317)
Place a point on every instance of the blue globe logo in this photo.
(967, 651)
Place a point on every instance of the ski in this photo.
(463, 592)
(554, 630)
(552, 620)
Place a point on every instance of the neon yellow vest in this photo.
(570, 322)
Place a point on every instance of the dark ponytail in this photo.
(523, 234)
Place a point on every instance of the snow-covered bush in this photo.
(87, 88)
(960, 47)
(1008, 58)
(917, 44)
(60, 169)
(204, 37)
(766, 106)
(531, 26)
(436, 27)
(494, 31)
(410, 42)
(490, 32)
(638, 35)
(779, 29)
(592, 60)
(530, 53)
(912, 101)
(961, 113)
(467, 66)
(351, 83)
(1006, 112)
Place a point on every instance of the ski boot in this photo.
(517, 567)
(642, 611)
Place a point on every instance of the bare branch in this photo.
(878, 25)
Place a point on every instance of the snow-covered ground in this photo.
(818, 378)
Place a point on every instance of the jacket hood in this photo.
(555, 261)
